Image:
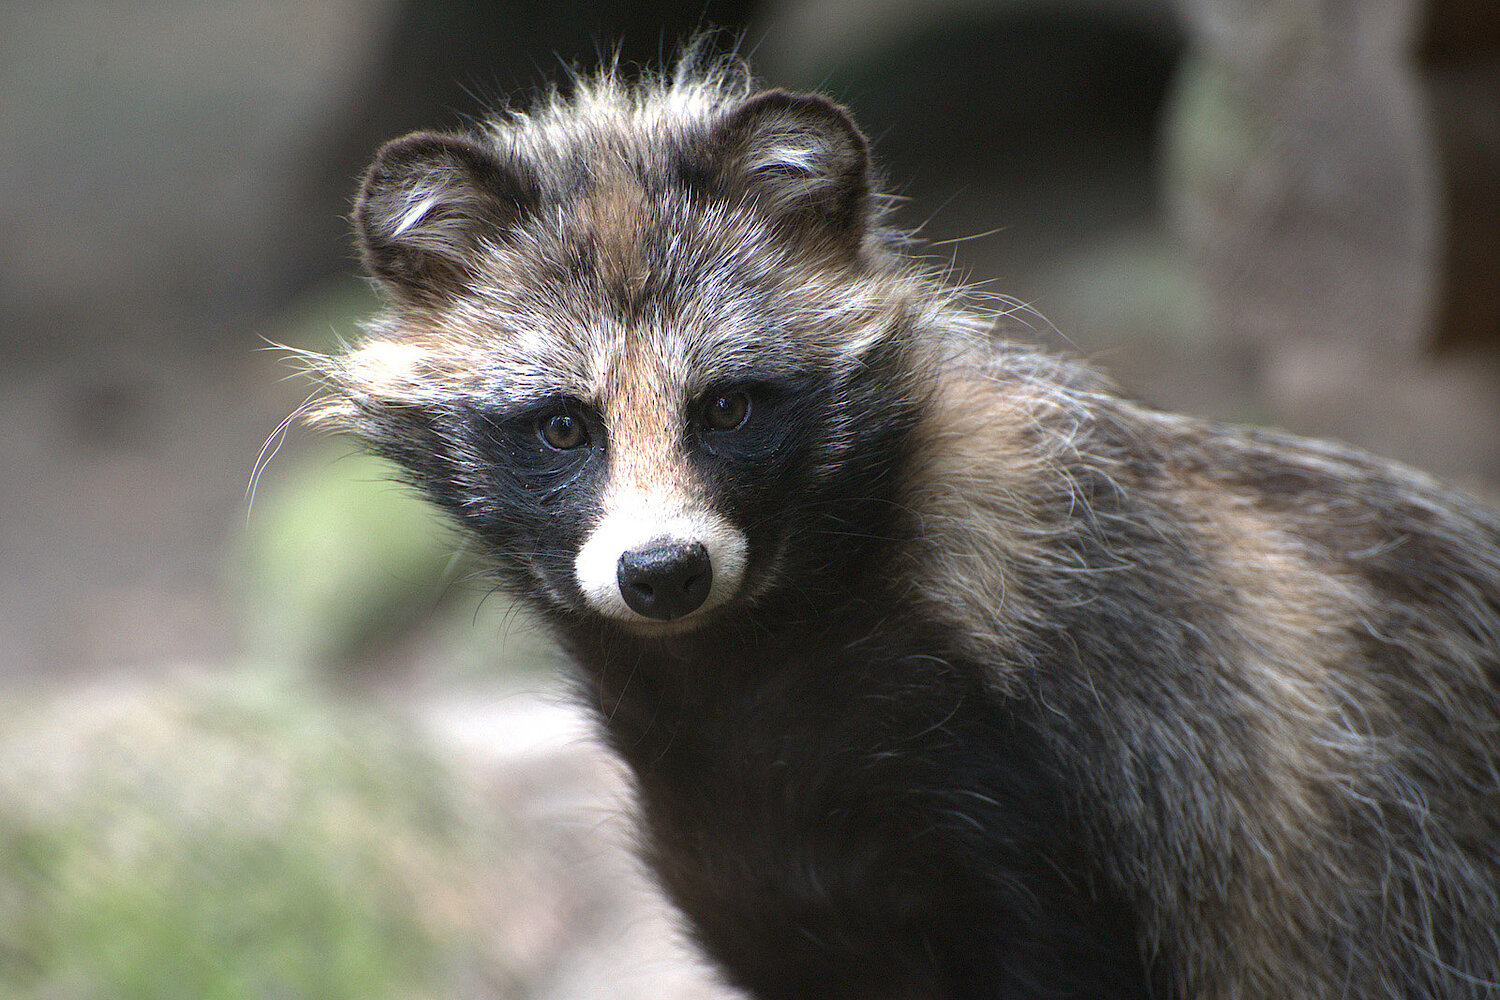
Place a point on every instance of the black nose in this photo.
(665, 580)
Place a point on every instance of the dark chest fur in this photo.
(854, 812)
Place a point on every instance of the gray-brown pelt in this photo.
(942, 670)
(1277, 662)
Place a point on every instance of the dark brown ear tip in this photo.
(392, 160)
(778, 97)
(813, 105)
(425, 147)
(775, 98)
(412, 144)
(813, 111)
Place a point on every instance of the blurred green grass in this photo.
(237, 838)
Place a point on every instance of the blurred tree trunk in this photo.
(1334, 162)
(1332, 166)
(1459, 62)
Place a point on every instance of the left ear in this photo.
(800, 159)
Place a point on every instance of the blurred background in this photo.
(295, 748)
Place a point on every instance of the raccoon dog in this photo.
(941, 670)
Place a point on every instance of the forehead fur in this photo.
(514, 346)
(615, 248)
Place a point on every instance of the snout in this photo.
(640, 567)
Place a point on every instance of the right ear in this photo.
(426, 205)
(799, 158)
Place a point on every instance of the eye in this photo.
(726, 411)
(562, 431)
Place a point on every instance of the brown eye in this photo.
(726, 412)
(563, 432)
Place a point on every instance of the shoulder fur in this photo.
(1258, 572)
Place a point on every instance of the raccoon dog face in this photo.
(641, 342)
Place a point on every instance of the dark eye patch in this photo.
(529, 500)
(541, 445)
(750, 421)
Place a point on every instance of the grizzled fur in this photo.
(1003, 685)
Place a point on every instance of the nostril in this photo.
(665, 579)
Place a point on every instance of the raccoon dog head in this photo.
(646, 343)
